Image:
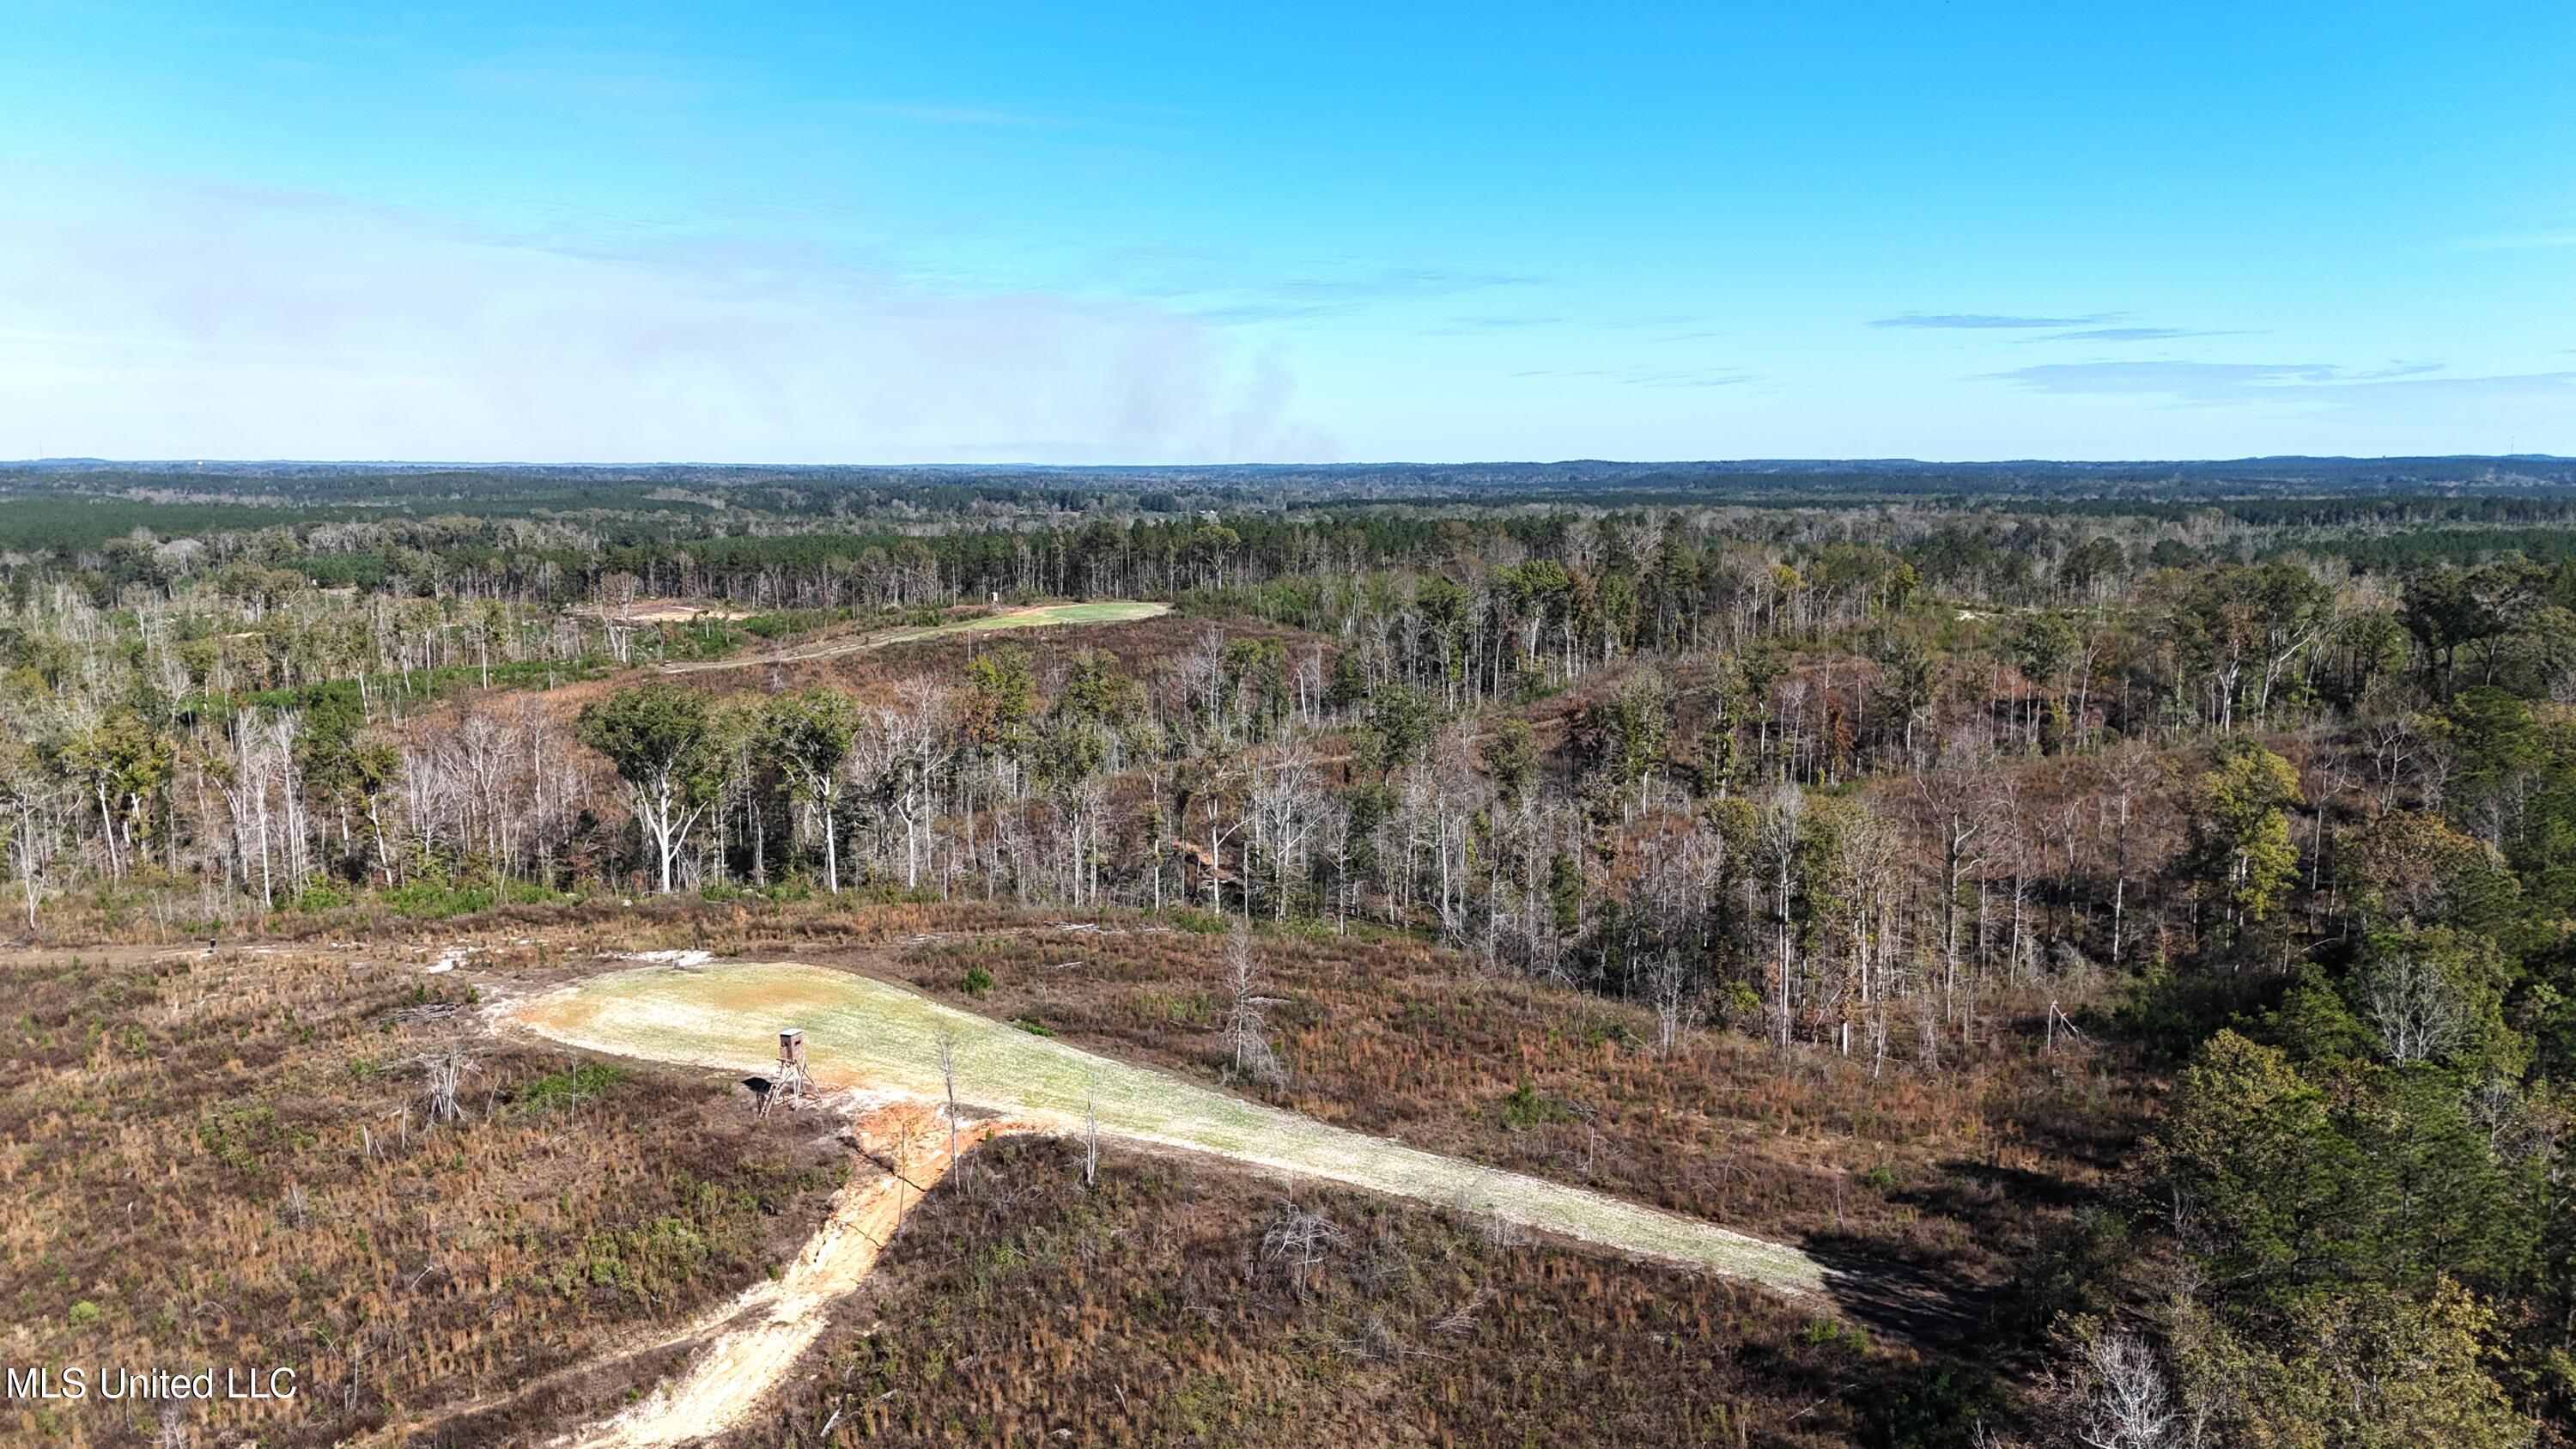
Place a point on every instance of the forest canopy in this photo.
(2235, 805)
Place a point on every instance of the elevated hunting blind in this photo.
(791, 1065)
(790, 1080)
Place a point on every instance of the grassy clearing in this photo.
(1105, 611)
(864, 1032)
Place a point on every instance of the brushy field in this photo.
(1949, 1168)
(231, 1161)
(565, 1215)
(863, 1032)
(1174, 1303)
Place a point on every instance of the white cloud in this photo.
(213, 322)
(2398, 386)
(1989, 321)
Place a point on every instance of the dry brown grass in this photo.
(229, 1161)
(212, 1154)
(1165, 1306)
(1393, 1037)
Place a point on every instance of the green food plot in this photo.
(1111, 611)
(1105, 611)
(861, 1032)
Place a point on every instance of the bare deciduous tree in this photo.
(2122, 1399)
(1668, 985)
(1779, 853)
(1298, 1239)
(2415, 1008)
(1091, 1135)
(1247, 1033)
(948, 1080)
(447, 1071)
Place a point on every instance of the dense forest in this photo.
(2256, 789)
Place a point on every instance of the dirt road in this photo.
(754, 1341)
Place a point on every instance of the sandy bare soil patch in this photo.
(671, 611)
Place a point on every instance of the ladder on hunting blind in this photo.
(790, 1080)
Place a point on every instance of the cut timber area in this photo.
(873, 1036)
(1033, 616)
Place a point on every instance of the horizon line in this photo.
(78, 461)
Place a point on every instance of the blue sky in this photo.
(1124, 233)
